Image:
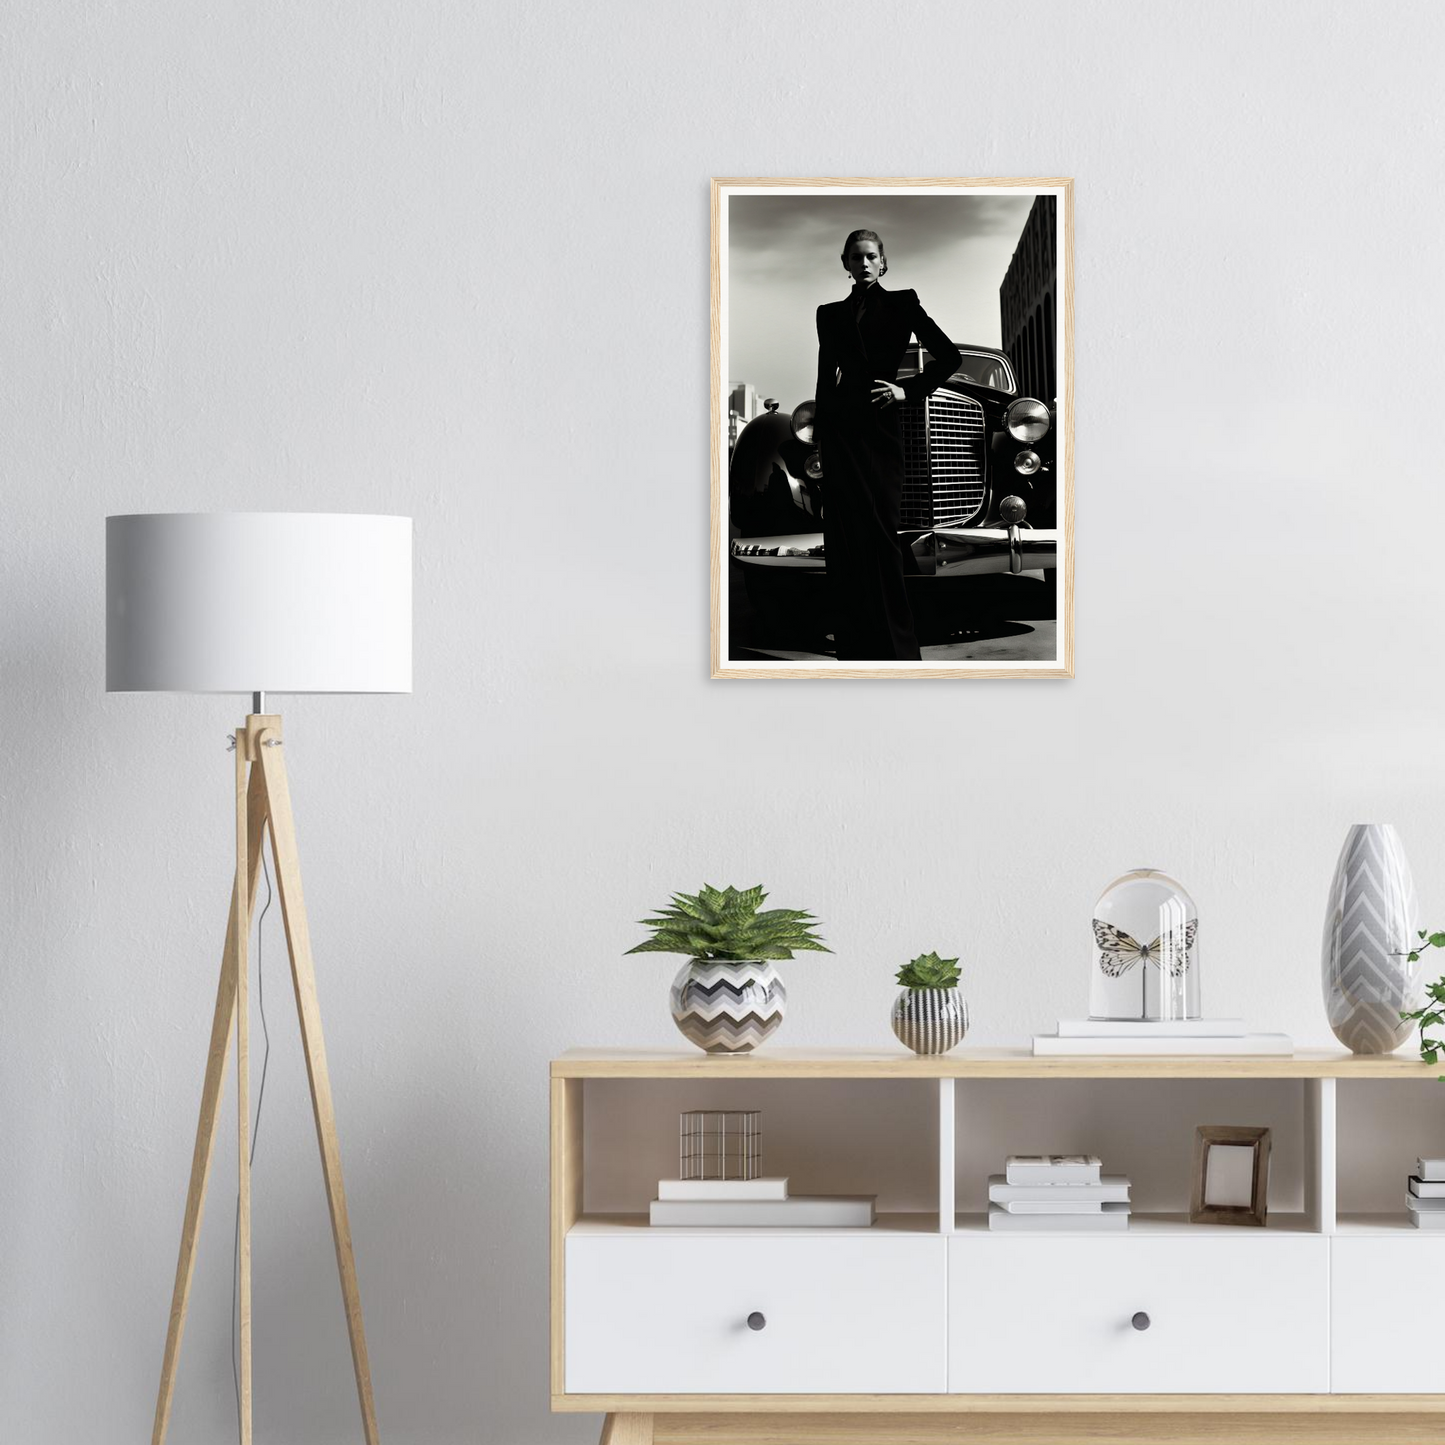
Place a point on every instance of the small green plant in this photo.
(729, 925)
(928, 970)
(1433, 1014)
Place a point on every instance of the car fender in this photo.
(769, 493)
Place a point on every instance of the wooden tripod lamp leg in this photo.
(303, 976)
(210, 1102)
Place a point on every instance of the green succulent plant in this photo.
(928, 970)
(728, 925)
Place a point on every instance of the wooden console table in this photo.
(928, 1328)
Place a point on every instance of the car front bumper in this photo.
(943, 552)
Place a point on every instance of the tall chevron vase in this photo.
(1370, 927)
(728, 1008)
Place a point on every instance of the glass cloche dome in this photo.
(1146, 953)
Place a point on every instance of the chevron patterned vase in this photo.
(1370, 927)
(930, 1020)
(728, 1008)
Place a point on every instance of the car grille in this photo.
(943, 442)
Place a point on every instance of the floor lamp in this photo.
(258, 602)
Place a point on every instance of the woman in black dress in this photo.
(859, 434)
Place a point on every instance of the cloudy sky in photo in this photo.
(783, 263)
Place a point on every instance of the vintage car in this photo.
(979, 491)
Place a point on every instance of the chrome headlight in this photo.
(814, 465)
(1026, 419)
(1012, 510)
(803, 421)
(1027, 463)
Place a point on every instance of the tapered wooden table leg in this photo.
(210, 1105)
(303, 977)
(627, 1430)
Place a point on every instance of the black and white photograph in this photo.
(891, 428)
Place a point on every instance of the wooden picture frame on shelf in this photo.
(1220, 1194)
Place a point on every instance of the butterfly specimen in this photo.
(1118, 952)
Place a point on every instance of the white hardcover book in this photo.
(1109, 1217)
(832, 1211)
(1426, 1189)
(1432, 1171)
(1428, 1221)
(722, 1189)
(1425, 1206)
(1151, 1028)
(1276, 1045)
(1053, 1206)
(1052, 1169)
(1111, 1189)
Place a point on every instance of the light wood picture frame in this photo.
(1220, 1195)
(986, 544)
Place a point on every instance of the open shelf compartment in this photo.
(826, 1136)
(1143, 1130)
(1384, 1125)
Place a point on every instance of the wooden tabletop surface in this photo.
(977, 1063)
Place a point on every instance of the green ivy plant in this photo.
(729, 925)
(928, 970)
(1433, 1014)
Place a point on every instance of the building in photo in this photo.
(743, 405)
(1026, 303)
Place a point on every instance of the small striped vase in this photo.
(930, 1020)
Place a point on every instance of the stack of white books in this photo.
(1040, 1192)
(726, 1203)
(1425, 1197)
(1143, 1037)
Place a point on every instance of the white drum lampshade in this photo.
(257, 602)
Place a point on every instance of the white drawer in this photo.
(660, 1313)
(1227, 1314)
(1385, 1337)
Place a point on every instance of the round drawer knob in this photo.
(756, 1320)
(1141, 1321)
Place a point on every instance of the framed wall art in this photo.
(892, 428)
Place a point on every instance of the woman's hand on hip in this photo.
(886, 393)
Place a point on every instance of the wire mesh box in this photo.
(720, 1144)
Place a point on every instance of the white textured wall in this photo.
(452, 261)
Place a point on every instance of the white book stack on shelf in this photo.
(722, 1191)
(1051, 1192)
(1425, 1194)
(1145, 1037)
(726, 1203)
